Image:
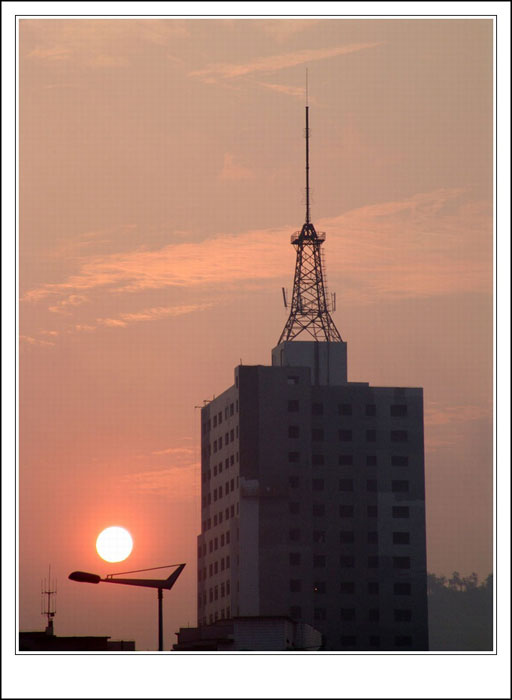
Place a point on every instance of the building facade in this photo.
(313, 502)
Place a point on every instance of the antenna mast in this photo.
(48, 602)
(311, 305)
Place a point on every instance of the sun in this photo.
(114, 544)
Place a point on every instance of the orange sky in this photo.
(161, 175)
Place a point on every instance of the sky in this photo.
(161, 174)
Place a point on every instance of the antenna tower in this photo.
(310, 305)
(48, 601)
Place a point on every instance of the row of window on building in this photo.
(220, 491)
(216, 420)
(348, 536)
(348, 561)
(319, 460)
(346, 510)
(218, 468)
(214, 544)
(219, 517)
(397, 485)
(344, 435)
(346, 409)
(220, 590)
(214, 568)
(371, 615)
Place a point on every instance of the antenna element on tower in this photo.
(311, 305)
(48, 601)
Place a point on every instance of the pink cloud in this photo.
(231, 170)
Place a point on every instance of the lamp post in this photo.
(159, 584)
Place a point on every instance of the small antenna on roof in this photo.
(308, 213)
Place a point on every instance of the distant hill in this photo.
(460, 613)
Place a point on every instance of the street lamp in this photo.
(159, 584)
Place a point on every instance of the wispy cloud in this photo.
(174, 483)
(153, 314)
(231, 170)
(268, 64)
(175, 451)
(440, 415)
(30, 340)
(62, 307)
(429, 244)
(291, 90)
(283, 29)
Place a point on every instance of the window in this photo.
(346, 511)
(373, 588)
(371, 485)
(220, 517)
(400, 538)
(346, 562)
(226, 438)
(400, 486)
(214, 421)
(220, 417)
(345, 435)
(344, 409)
(293, 457)
(214, 449)
(228, 537)
(319, 561)
(231, 435)
(374, 640)
(348, 614)
(220, 491)
(294, 535)
(295, 585)
(294, 508)
(348, 640)
(319, 587)
(373, 614)
(318, 509)
(346, 485)
(399, 461)
(318, 484)
(293, 482)
(399, 436)
(232, 482)
(402, 615)
(317, 460)
(318, 535)
(371, 436)
(400, 511)
(372, 511)
(317, 409)
(402, 588)
(371, 409)
(347, 587)
(373, 562)
(345, 460)
(317, 434)
(215, 494)
(293, 380)
(293, 431)
(401, 562)
(232, 460)
(403, 640)
(373, 538)
(222, 564)
(346, 537)
(295, 612)
(226, 513)
(398, 409)
(319, 613)
(371, 460)
(220, 443)
(293, 406)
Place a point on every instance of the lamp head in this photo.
(84, 577)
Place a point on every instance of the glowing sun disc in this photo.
(114, 544)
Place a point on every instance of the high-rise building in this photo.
(313, 496)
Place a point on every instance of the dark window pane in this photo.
(371, 409)
(294, 558)
(293, 482)
(372, 511)
(374, 640)
(348, 614)
(398, 409)
(294, 508)
(400, 486)
(293, 431)
(400, 538)
(294, 535)
(371, 436)
(401, 563)
(317, 460)
(402, 588)
(346, 536)
(345, 409)
(317, 434)
(318, 509)
(293, 457)
(319, 536)
(347, 511)
(319, 613)
(373, 562)
(346, 562)
(371, 460)
(399, 461)
(318, 484)
(345, 435)
(345, 460)
(373, 614)
(399, 436)
(319, 587)
(295, 586)
(373, 587)
(319, 561)
(400, 511)
(373, 537)
(295, 612)
(403, 641)
(402, 615)
(346, 485)
(317, 409)
(348, 640)
(371, 485)
(293, 406)
(347, 587)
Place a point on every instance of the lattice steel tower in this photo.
(311, 305)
